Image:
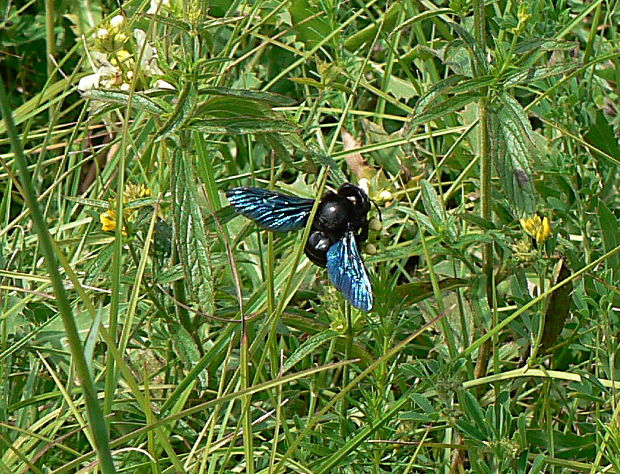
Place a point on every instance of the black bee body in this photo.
(336, 214)
(339, 227)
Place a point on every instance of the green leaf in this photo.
(307, 347)
(188, 351)
(538, 464)
(511, 147)
(139, 101)
(433, 206)
(413, 293)
(419, 17)
(243, 125)
(310, 22)
(191, 238)
(558, 307)
(177, 117)
(477, 54)
(441, 87)
(370, 32)
(98, 203)
(602, 136)
(260, 96)
(444, 108)
(540, 73)
(543, 44)
(610, 231)
(473, 411)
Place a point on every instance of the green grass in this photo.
(187, 340)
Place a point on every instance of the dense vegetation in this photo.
(187, 340)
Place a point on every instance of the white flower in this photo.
(117, 21)
(109, 76)
(156, 4)
(161, 84)
(99, 58)
(89, 82)
(363, 183)
(102, 33)
(385, 195)
(105, 77)
(148, 60)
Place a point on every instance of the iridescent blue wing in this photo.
(347, 272)
(273, 211)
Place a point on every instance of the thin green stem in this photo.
(95, 414)
(50, 39)
(485, 182)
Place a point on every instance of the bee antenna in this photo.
(378, 210)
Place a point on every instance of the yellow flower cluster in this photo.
(132, 193)
(135, 191)
(108, 221)
(538, 228)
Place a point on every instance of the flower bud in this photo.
(371, 249)
(117, 21)
(385, 195)
(375, 224)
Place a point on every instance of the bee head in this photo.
(357, 196)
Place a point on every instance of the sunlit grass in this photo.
(195, 342)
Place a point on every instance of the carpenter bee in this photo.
(339, 227)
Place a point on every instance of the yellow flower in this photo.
(132, 192)
(538, 228)
(108, 221)
(122, 56)
(135, 191)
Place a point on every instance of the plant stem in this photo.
(95, 414)
(485, 181)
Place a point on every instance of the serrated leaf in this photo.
(247, 94)
(542, 44)
(177, 117)
(187, 350)
(540, 73)
(433, 206)
(444, 108)
(441, 87)
(243, 125)
(192, 241)
(307, 347)
(139, 101)
(98, 203)
(511, 148)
